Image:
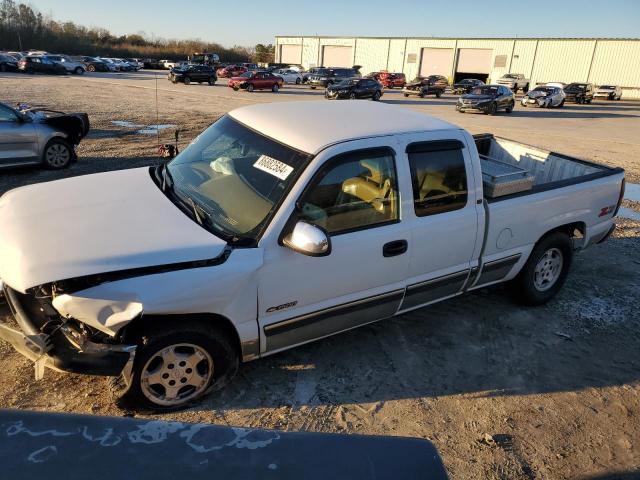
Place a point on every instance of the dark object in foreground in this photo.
(62, 446)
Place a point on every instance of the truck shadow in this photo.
(481, 344)
(588, 112)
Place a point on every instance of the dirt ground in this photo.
(504, 392)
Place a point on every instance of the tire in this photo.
(421, 94)
(561, 104)
(376, 96)
(438, 94)
(298, 81)
(525, 89)
(492, 109)
(579, 100)
(91, 68)
(187, 81)
(211, 81)
(250, 88)
(406, 95)
(509, 109)
(352, 96)
(275, 88)
(313, 88)
(79, 71)
(184, 352)
(57, 154)
(529, 287)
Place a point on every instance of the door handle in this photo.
(397, 247)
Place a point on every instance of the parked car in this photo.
(167, 64)
(312, 71)
(260, 80)
(135, 62)
(40, 64)
(610, 92)
(289, 76)
(488, 99)
(422, 86)
(466, 85)
(354, 88)
(152, 64)
(193, 73)
(267, 233)
(8, 63)
(72, 66)
(579, 92)
(40, 136)
(328, 76)
(124, 66)
(111, 64)
(544, 96)
(92, 64)
(391, 80)
(231, 71)
(515, 82)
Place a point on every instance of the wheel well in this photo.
(572, 230)
(136, 329)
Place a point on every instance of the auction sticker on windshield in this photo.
(273, 166)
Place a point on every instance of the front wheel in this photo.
(79, 71)
(176, 365)
(545, 272)
(298, 81)
(212, 81)
(376, 96)
(57, 154)
(493, 108)
(509, 108)
(187, 81)
(438, 94)
(250, 88)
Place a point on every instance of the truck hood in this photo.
(94, 224)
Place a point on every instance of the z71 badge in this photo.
(282, 307)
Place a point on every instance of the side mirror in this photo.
(308, 239)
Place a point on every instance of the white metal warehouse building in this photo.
(597, 60)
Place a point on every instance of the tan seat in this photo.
(372, 188)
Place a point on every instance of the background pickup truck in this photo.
(515, 81)
(268, 232)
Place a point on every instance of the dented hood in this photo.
(93, 224)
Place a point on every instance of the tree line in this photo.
(25, 28)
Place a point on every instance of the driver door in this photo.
(355, 197)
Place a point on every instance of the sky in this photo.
(247, 22)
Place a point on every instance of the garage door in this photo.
(474, 60)
(291, 54)
(436, 61)
(335, 56)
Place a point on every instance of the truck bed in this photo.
(511, 168)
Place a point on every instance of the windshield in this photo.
(607, 87)
(484, 90)
(347, 82)
(234, 178)
(508, 75)
(576, 86)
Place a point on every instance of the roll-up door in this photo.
(337, 56)
(436, 61)
(473, 63)
(291, 54)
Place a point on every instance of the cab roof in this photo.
(314, 125)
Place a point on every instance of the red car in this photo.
(251, 81)
(391, 80)
(231, 71)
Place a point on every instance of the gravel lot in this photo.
(503, 392)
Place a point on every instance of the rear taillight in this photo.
(620, 199)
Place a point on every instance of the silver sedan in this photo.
(545, 96)
(40, 137)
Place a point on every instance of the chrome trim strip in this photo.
(434, 289)
(497, 269)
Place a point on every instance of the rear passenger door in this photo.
(444, 217)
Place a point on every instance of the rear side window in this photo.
(438, 177)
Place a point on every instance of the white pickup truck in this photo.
(281, 224)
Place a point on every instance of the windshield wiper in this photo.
(194, 207)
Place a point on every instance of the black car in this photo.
(193, 73)
(354, 88)
(579, 92)
(466, 85)
(92, 64)
(487, 99)
(8, 63)
(328, 76)
(40, 64)
(422, 86)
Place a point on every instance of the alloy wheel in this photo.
(548, 270)
(57, 155)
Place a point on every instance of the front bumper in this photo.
(335, 95)
(318, 83)
(55, 351)
(469, 107)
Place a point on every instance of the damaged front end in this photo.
(46, 329)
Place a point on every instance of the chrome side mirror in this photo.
(308, 239)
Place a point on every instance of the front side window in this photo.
(7, 115)
(232, 179)
(353, 191)
(438, 177)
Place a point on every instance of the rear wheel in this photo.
(298, 81)
(187, 81)
(79, 71)
(275, 88)
(57, 154)
(212, 81)
(438, 94)
(376, 96)
(545, 272)
(250, 87)
(175, 365)
(91, 68)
